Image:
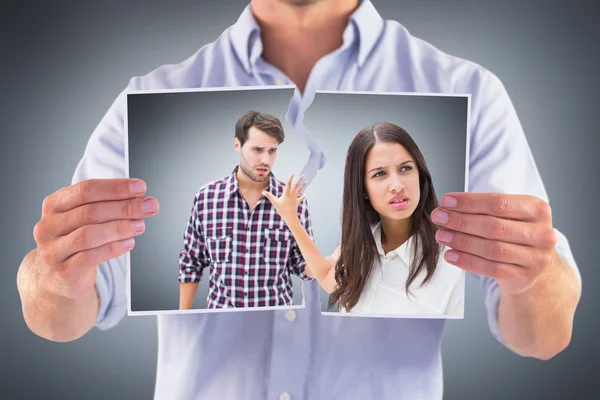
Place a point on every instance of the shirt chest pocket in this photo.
(219, 245)
(276, 246)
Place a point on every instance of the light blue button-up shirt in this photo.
(302, 354)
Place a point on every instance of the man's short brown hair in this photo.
(267, 123)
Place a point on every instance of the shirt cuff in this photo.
(110, 286)
(492, 290)
(301, 271)
(189, 275)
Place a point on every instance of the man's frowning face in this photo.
(258, 154)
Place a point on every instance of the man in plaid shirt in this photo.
(236, 232)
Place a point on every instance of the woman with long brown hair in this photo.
(389, 261)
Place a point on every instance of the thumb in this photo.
(268, 195)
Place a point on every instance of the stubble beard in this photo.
(250, 174)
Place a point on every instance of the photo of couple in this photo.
(252, 232)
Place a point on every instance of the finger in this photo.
(93, 236)
(481, 266)
(268, 195)
(288, 185)
(519, 207)
(494, 228)
(301, 198)
(295, 188)
(93, 257)
(91, 191)
(97, 213)
(302, 187)
(493, 250)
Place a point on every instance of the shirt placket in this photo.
(378, 271)
(253, 229)
(292, 336)
(247, 225)
(296, 331)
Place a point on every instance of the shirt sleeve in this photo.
(194, 257)
(296, 263)
(104, 157)
(500, 160)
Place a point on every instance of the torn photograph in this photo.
(217, 243)
(390, 157)
(241, 227)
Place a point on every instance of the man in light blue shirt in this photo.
(507, 240)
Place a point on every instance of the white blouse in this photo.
(384, 292)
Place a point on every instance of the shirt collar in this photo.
(244, 35)
(404, 251)
(370, 25)
(233, 185)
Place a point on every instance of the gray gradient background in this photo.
(180, 141)
(68, 60)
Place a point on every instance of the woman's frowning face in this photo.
(392, 181)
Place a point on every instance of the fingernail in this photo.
(439, 217)
(449, 201)
(149, 205)
(444, 236)
(137, 187)
(137, 225)
(128, 243)
(451, 256)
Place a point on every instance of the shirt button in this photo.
(245, 294)
(290, 315)
(285, 396)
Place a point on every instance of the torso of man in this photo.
(302, 354)
(251, 196)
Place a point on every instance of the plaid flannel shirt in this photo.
(250, 254)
